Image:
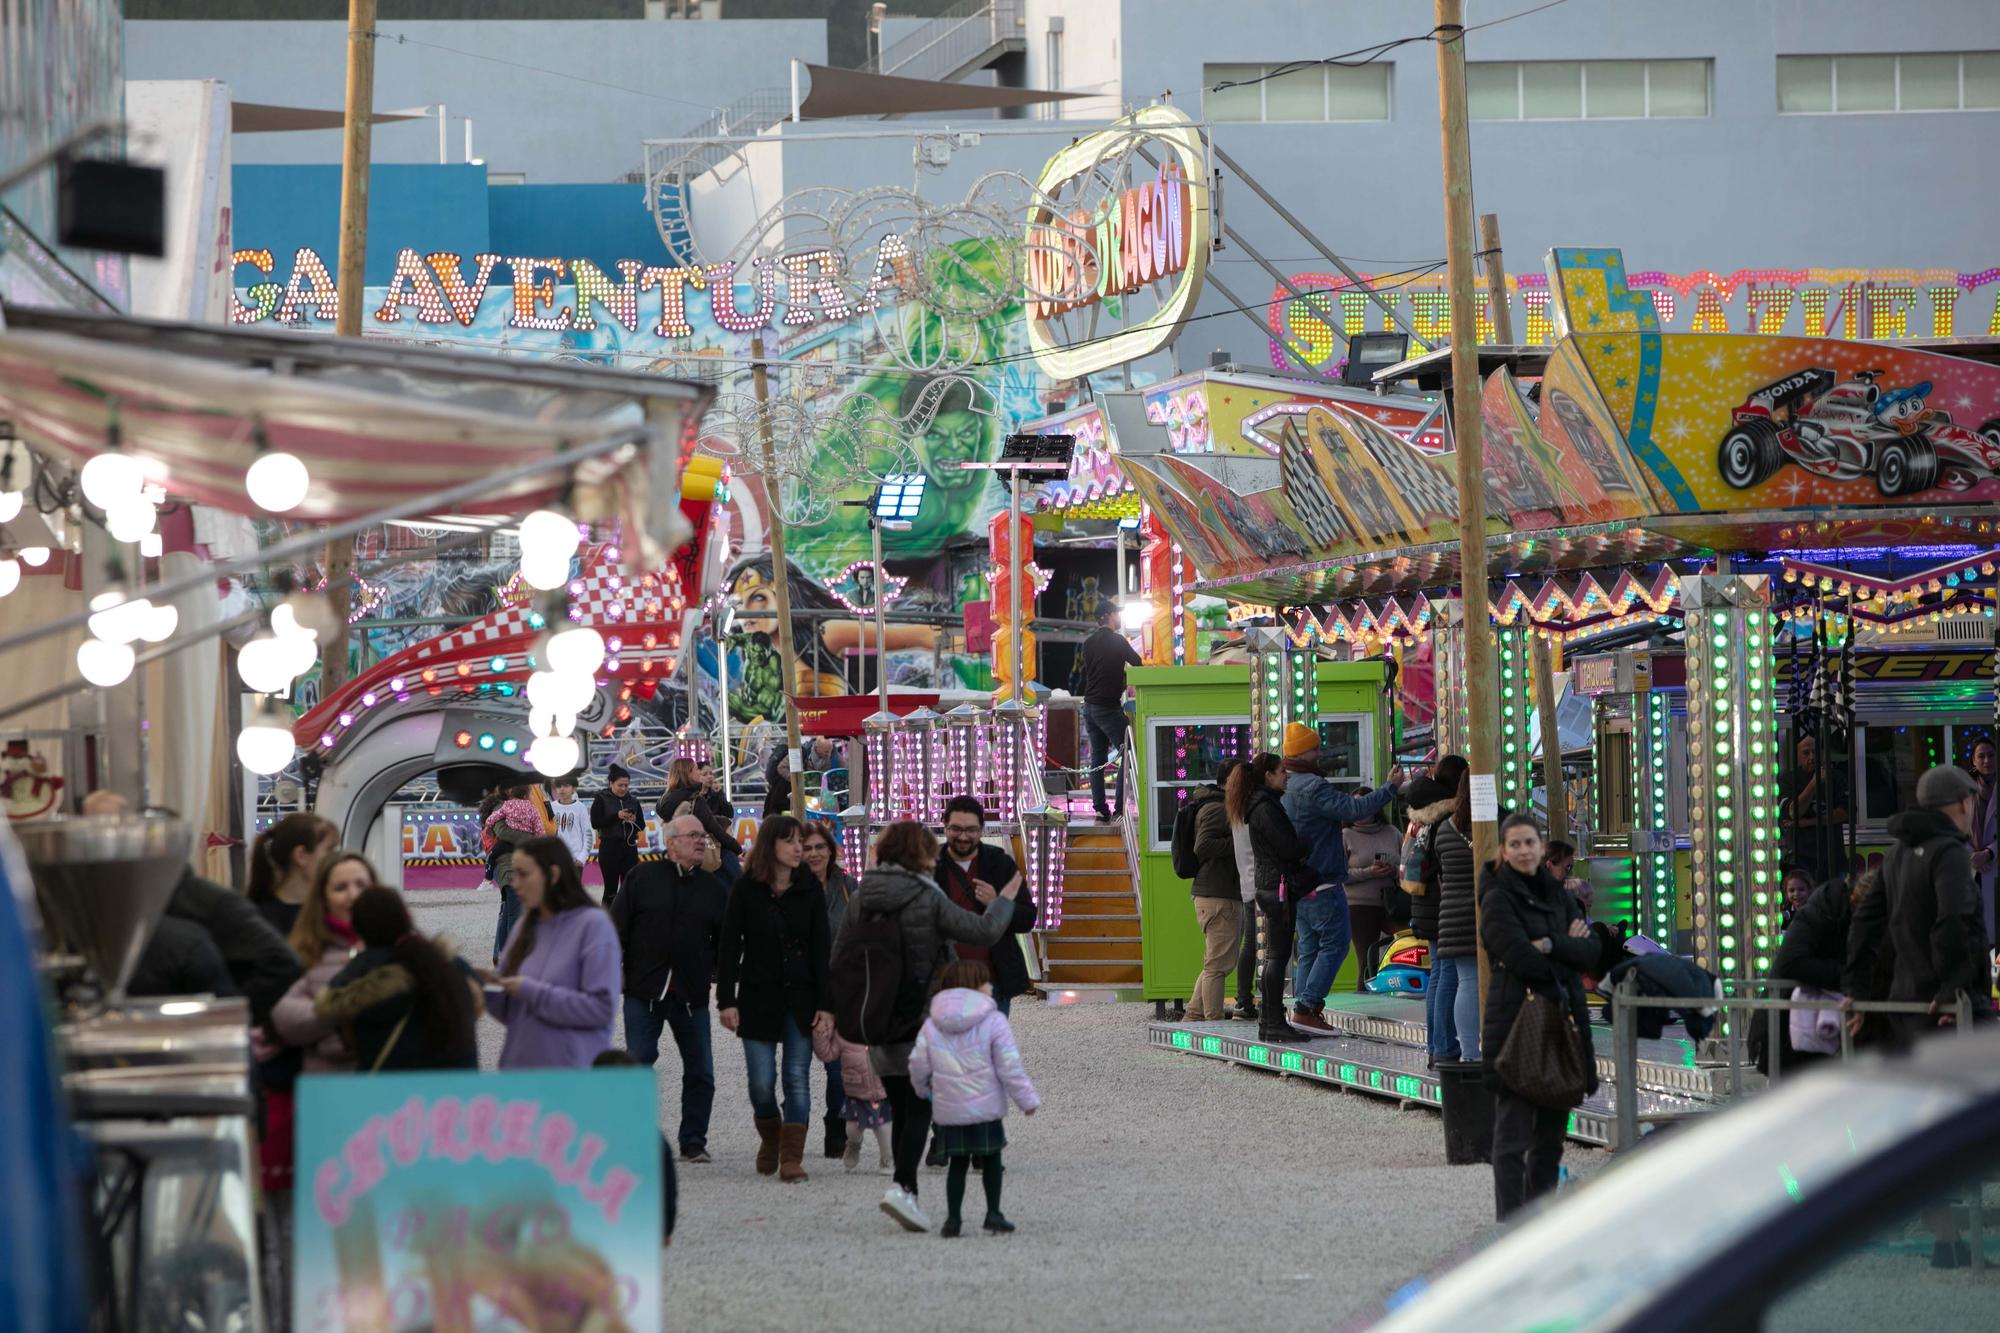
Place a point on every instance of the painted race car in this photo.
(1848, 429)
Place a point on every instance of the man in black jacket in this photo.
(620, 822)
(1106, 654)
(971, 873)
(1929, 909)
(669, 921)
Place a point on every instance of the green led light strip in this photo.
(1656, 904)
(1516, 777)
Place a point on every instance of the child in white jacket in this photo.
(966, 1062)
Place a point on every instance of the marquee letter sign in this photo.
(1086, 242)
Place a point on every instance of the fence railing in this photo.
(1626, 1002)
(943, 46)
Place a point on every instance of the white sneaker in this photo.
(888, 1166)
(900, 1204)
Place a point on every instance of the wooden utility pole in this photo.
(781, 577)
(1539, 663)
(351, 280)
(1481, 682)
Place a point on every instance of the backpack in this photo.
(1420, 864)
(1186, 863)
(873, 1001)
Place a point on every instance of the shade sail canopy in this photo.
(376, 423)
(265, 118)
(850, 92)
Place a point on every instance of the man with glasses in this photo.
(669, 920)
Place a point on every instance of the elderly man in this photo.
(669, 921)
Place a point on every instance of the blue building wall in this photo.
(429, 207)
(601, 223)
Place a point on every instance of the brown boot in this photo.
(767, 1146)
(792, 1154)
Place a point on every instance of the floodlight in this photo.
(900, 496)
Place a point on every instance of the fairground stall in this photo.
(1768, 560)
(115, 430)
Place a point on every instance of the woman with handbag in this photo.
(1536, 1035)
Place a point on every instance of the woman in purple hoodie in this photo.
(560, 975)
(966, 1062)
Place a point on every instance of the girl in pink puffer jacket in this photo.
(966, 1062)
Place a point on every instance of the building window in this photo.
(1586, 89)
(1286, 93)
(1820, 85)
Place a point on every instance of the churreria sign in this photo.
(1106, 222)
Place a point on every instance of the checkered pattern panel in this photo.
(1304, 488)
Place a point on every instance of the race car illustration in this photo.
(1848, 429)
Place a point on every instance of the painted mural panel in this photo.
(1742, 422)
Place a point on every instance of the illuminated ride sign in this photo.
(438, 289)
(1088, 240)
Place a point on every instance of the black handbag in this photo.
(1542, 1060)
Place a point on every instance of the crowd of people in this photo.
(755, 941)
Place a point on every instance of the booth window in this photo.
(1863, 84)
(1586, 89)
(1186, 754)
(1311, 92)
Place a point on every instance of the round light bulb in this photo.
(553, 756)
(547, 536)
(264, 745)
(104, 664)
(161, 622)
(575, 652)
(562, 692)
(545, 573)
(10, 575)
(130, 518)
(300, 652)
(110, 477)
(116, 619)
(34, 557)
(310, 613)
(542, 721)
(10, 505)
(264, 665)
(277, 482)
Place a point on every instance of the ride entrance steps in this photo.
(1098, 941)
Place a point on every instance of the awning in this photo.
(265, 118)
(849, 92)
(376, 423)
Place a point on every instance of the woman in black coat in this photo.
(772, 986)
(691, 783)
(1536, 938)
(1457, 941)
(1255, 791)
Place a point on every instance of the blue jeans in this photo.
(1106, 725)
(644, 1020)
(510, 912)
(1005, 1006)
(1324, 934)
(1463, 1012)
(760, 1059)
(1439, 1009)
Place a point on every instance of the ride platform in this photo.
(1381, 1050)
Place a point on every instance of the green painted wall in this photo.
(1172, 945)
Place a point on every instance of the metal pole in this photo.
(352, 283)
(1120, 599)
(468, 139)
(781, 577)
(1014, 583)
(881, 614)
(722, 686)
(1481, 685)
(1388, 307)
(444, 126)
(1540, 660)
(1625, 1065)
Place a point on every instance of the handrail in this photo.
(1625, 1002)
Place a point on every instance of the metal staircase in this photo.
(968, 37)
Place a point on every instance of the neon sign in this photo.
(1812, 302)
(1086, 242)
(437, 289)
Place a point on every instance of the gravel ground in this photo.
(1152, 1191)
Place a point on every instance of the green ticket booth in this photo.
(1187, 720)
